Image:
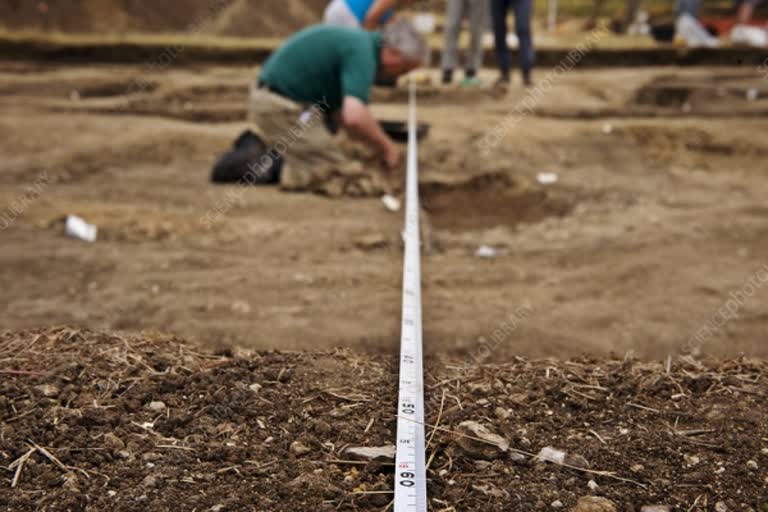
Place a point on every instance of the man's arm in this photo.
(377, 11)
(358, 120)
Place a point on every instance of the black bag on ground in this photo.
(245, 164)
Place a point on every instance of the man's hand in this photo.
(360, 124)
(392, 159)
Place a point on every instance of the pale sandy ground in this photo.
(658, 215)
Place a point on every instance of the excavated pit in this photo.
(489, 201)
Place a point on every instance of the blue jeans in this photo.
(688, 7)
(523, 11)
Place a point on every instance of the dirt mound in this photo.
(102, 420)
(248, 18)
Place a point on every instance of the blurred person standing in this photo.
(523, 12)
(368, 14)
(477, 13)
(743, 32)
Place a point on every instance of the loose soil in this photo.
(656, 222)
(268, 430)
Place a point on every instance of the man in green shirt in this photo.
(325, 73)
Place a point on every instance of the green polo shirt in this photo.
(324, 64)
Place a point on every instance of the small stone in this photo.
(48, 390)
(721, 507)
(113, 442)
(156, 406)
(549, 454)
(491, 446)
(557, 504)
(111, 493)
(377, 453)
(371, 242)
(241, 307)
(637, 468)
(752, 465)
(217, 508)
(151, 457)
(255, 387)
(577, 461)
(656, 508)
(594, 504)
(692, 460)
(502, 413)
(149, 481)
(124, 454)
(70, 483)
(517, 458)
(486, 251)
(298, 448)
(482, 465)
(323, 427)
(556, 456)
(592, 485)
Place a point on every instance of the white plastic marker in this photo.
(410, 463)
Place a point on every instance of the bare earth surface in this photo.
(103, 421)
(658, 216)
(651, 243)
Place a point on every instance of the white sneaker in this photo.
(751, 36)
(693, 33)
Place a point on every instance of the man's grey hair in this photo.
(402, 36)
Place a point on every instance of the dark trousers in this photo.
(523, 12)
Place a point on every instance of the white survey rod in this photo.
(410, 463)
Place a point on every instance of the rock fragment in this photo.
(656, 508)
(555, 456)
(48, 390)
(371, 241)
(156, 406)
(377, 453)
(594, 504)
(113, 442)
(298, 448)
(479, 441)
(149, 481)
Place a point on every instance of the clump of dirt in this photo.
(490, 200)
(106, 420)
(703, 92)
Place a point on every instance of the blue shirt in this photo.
(360, 9)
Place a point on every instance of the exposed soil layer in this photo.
(653, 225)
(106, 420)
(231, 17)
(489, 201)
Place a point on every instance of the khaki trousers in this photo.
(315, 160)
